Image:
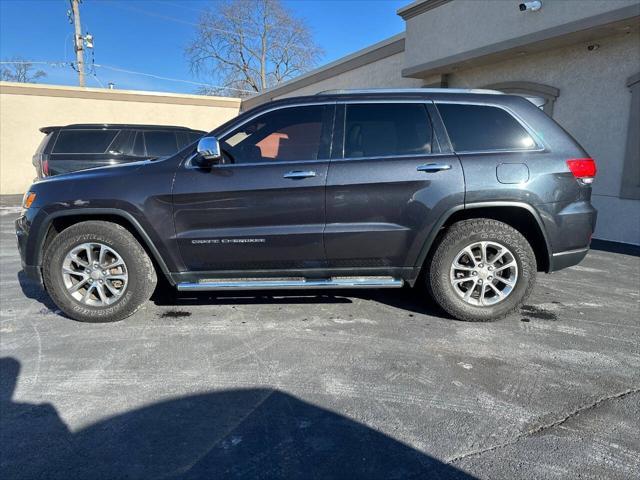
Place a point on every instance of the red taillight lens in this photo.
(45, 167)
(583, 168)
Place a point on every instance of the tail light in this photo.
(45, 168)
(584, 169)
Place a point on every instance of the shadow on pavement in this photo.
(32, 290)
(407, 299)
(251, 433)
(411, 300)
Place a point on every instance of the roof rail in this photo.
(410, 90)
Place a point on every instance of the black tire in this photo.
(142, 277)
(465, 233)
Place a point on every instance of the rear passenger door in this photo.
(389, 181)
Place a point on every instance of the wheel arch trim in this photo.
(97, 212)
(426, 249)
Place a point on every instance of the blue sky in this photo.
(149, 35)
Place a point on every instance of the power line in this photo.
(180, 5)
(153, 14)
(117, 69)
(254, 35)
(131, 72)
(35, 62)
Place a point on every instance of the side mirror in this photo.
(207, 152)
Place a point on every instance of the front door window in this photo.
(285, 135)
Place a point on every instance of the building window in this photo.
(631, 171)
(544, 96)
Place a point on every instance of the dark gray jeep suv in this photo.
(462, 194)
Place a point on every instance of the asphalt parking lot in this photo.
(353, 384)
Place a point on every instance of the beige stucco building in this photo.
(25, 108)
(583, 57)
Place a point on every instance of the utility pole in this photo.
(78, 40)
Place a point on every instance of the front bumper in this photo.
(32, 272)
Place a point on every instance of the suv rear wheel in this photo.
(96, 271)
(481, 270)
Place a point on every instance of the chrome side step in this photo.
(292, 284)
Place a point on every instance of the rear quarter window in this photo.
(160, 143)
(474, 128)
(84, 141)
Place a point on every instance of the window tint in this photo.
(193, 136)
(387, 129)
(287, 134)
(160, 144)
(138, 145)
(187, 138)
(84, 141)
(478, 127)
(123, 143)
(43, 143)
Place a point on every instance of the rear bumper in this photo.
(569, 229)
(566, 259)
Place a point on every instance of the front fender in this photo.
(35, 248)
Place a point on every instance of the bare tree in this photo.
(19, 70)
(246, 46)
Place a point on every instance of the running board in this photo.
(285, 284)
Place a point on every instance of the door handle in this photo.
(299, 174)
(433, 167)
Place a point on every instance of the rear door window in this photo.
(475, 128)
(387, 129)
(161, 143)
(84, 141)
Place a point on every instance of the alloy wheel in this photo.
(484, 273)
(94, 274)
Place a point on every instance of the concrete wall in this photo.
(593, 105)
(24, 108)
(488, 26)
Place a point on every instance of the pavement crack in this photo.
(542, 428)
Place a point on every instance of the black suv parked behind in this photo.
(82, 146)
(464, 194)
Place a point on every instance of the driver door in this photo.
(263, 206)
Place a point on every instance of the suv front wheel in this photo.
(481, 270)
(97, 271)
